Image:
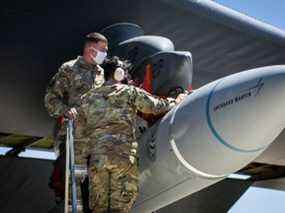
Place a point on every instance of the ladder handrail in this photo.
(70, 169)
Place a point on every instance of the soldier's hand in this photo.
(180, 97)
(71, 114)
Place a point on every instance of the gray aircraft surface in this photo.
(217, 130)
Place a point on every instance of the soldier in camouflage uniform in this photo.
(74, 78)
(108, 116)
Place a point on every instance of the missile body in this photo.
(215, 131)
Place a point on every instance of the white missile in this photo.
(215, 131)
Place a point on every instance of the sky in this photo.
(260, 200)
(38, 154)
(257, 199)
(269, 11)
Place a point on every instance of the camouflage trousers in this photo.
(113, 184)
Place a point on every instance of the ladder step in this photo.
(79, 208)
(80, 171)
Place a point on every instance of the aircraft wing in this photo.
(38, 36)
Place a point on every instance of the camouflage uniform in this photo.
(108, 115)
(64, 91)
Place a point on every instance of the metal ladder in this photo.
(70, 170)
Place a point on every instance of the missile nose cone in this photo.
(230, 121)
(245, 113)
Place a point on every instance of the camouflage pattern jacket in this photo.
(108, 116)
(74, 79)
